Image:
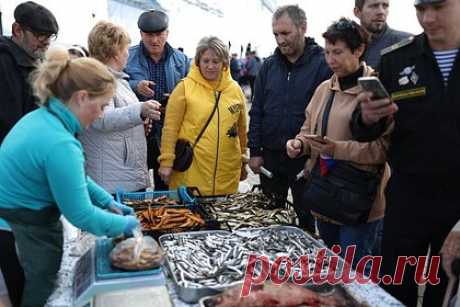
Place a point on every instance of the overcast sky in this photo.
(243, 21)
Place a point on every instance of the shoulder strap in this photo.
(209, 119)
(327, 110)
(400, 44)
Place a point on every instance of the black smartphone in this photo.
(316, 137)
(373, 85)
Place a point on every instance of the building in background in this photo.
(238, 22)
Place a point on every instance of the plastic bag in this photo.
(138, 253)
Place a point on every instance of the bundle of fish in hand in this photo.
(162, 200)
(250, 210)
(165, 218)
(215, 259)
(286, 295)
(137, 253)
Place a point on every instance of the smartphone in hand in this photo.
(373, 85)
(316, 138)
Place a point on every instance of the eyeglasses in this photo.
(41, 36)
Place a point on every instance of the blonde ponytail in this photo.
(59, 76)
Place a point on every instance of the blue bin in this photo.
(180, 194)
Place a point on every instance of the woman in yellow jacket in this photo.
(217, 165)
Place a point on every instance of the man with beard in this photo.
(372, 15)
(284, 86)
(34, 27)
(421, 74)
(373, 18)
(154, 69)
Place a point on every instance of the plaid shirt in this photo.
(157, 74)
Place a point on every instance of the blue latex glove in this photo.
(121, 209)
(131, 224)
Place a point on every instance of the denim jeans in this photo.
(363, 236)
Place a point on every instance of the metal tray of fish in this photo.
(189, 292)
(252, 209)
(310, 239)
(207, 262)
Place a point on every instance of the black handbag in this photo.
(184, 150)
(346, 194)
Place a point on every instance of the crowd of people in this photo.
(79, 124)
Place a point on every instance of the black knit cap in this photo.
(37, 17)
(153, 21)
(420, 2)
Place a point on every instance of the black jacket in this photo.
(16, 96)
(387, 38)
(282, 92)
(426, 136)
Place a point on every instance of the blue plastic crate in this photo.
(105, 270)
(180, 194)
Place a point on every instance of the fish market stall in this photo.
(206, 263)
(201, 261)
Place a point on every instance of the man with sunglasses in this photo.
(33, 30)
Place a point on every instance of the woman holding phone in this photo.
(328, 139)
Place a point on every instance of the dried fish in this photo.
(164, 218)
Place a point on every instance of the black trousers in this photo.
(11, 268)
(420, 212)
(284, 171)
(153, 152)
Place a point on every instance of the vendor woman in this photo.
(42, 170)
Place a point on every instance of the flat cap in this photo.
(421, 2)
(153, 21)
(36, 17)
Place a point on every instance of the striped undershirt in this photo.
(446, 61)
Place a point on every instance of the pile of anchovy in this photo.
(250, 210)
(219, 259)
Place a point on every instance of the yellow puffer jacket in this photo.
(217, 159)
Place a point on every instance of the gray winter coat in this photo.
(115, 145)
